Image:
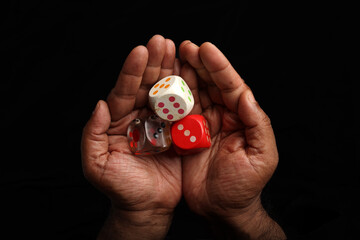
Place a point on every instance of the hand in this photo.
(225, 181)
(144, 190)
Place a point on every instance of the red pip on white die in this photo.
(191, 132)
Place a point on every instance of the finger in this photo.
(120, 127)
(95, 142)
(177, 67)
(122, 97)
(258, 131)
(189, 52)
(223, 75)
(205, 100)
(189, 75)
(167, 65)
(156, 47)
(181, 54)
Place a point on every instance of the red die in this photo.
(191, 132)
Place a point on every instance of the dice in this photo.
(191, 132)
(171, 98)
(149, 136)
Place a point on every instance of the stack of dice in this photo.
(172, 101)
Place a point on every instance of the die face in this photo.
(158, 132)
(171, 107)
(162, 86)
(171, 98)
(191, 132)
(150, 136)
(136, 135)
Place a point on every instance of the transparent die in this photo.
(149, 136)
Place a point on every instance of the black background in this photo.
(59, 57)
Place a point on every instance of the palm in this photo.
(144, 180)
(141, 182)
(243, 156)
(226, 168)
(133, 182)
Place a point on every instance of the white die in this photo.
(171, 99)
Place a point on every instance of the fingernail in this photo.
(188, 42)
(96, 107)
(251, 97)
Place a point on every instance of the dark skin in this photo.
(222, 183)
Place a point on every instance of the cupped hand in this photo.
(226, 180)
(135, 184)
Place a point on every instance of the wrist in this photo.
(145, 224)
(143, 218)
(250, 223)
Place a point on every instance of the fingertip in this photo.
(184, 43)
(170, 44)
(157, 37)
(170, 47)
(94, 141)
(135, 62)
(249, 110)
(213, 59)
(189, 52)
(100, 120)
(157, 43)
(259, 134)
(104, 109)
(245, 108)
(101, 104)
(156, 40)
(250, 97)
(96, 107)
(170, 50)
(140, 49)
(156, 47)
(182, 54)
(206, 46)
(167, 65)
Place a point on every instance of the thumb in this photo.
(94, 143)
(259, 134)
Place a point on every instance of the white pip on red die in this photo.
(191, 132)
(171, 99)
